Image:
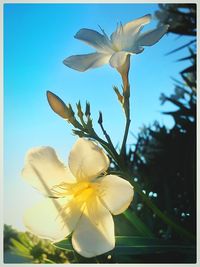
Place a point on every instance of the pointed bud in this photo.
(80, 112)
(100, 120)
(87, 109)
(57, 105)
(119, 96)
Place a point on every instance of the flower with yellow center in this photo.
(79, 199)
(125, 41)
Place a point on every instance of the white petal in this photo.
(47, 219)
(88, 61)
(118, 59)
(135, 49)
(87, 160)
(151, 37)
(43, 170)
(94, 234)
(133, 25)
(116, 193)
(125, 36)
(100, 42)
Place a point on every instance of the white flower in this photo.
(126, 40)
(80, 200)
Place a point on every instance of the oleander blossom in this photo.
(125, 41)
(79, 199)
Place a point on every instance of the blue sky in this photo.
(37, 37)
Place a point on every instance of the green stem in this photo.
(106, 136)
(123, 148)
(126, 106)
(110, 149)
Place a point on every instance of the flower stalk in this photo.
(124, 72)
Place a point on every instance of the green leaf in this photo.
(181, 47)
(19, 249)
(19, 246)
(131, 245)
(49, 261)
(138, 223)
(25, 240)
(14, 251)
(141, 245)
(64, 244)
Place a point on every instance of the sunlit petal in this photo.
(116, 193)
(88, 61)
(43, 169)
(94, 234)
(125, 35)
(87, 160)
(135, 49)
(51, 219)
(118, 59)
(131, 26)
(100, 42)
(151, 37)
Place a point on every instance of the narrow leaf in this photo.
(138, 223)
(181, 47)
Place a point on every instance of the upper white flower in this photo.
(126, 40)
(78, 200)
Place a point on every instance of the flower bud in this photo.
(79, 109)
(57, 105)
(87, 109)
(100, 120)
(119, 96)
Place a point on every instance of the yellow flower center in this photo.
(82, 196)
(80, 191)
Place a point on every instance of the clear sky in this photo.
(37, 37)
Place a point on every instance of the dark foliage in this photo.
(163, 160)
(180, 17)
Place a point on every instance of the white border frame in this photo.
(1, 118)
